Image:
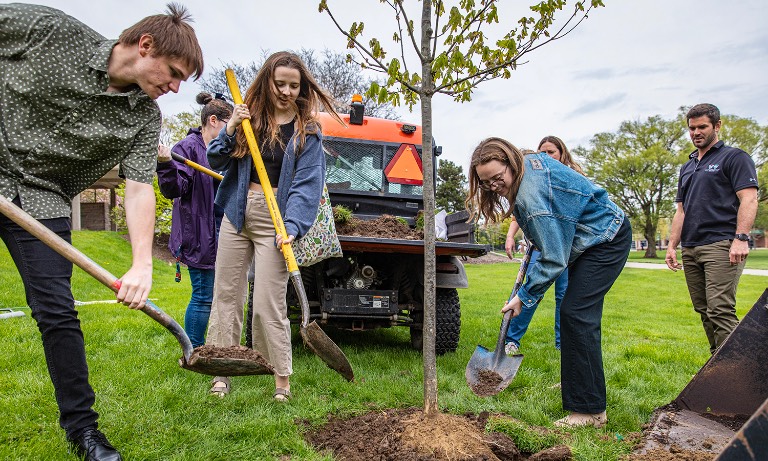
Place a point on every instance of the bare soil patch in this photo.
(408, 435)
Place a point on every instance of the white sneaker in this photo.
(583, 419)
(510, 348)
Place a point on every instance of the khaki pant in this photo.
(712, 281)
(271, 327)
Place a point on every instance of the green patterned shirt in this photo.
(60, 130)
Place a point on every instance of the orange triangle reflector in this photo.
(405, 167)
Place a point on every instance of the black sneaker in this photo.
(94, 446)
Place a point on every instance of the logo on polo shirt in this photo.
(713, 168)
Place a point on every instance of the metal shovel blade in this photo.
(487, 374)
(490, 372)
(327, 350)
(316, 339)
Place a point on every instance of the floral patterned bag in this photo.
(321, 241)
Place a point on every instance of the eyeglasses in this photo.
(495, 181)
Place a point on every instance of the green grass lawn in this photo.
(153, 410)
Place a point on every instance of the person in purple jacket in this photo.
(194, 227)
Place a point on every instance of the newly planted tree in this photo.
(452, 50)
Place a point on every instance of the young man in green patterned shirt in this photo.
(72, 106)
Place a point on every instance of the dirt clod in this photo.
(487, 383)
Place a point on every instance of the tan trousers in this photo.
(271, 327)
(712, 283)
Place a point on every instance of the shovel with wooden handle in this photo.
(490, 372)
(313, 335)
(191, 360)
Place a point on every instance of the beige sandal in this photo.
(282, 395)
(221, 386)
(583, 419)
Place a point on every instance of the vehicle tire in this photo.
(417, 334)
(447, 320)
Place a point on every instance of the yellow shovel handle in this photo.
(274, 211)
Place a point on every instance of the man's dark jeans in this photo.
(46, 276)
(581, 358)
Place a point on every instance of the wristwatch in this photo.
(742, 237)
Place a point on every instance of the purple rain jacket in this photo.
(193, 228)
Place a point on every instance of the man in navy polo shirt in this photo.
(716, 207)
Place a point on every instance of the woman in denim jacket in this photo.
(281, 104)
(555, 148)
(576, 226)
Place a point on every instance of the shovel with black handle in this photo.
(490, 372)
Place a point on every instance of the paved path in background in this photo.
(662, 266)
(637, 265)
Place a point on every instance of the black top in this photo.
(273, 156)
(707, 188)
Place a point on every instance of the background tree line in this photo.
(638, 164)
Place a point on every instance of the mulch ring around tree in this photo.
(408, 435)
(385, 226)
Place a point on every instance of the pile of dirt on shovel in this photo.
(385, 226)
(408, 435)
(232, 352)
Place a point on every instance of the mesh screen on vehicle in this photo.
(359, 166)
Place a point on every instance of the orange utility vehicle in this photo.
(373, 167)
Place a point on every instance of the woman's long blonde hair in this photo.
(485, 203)
(262, 101)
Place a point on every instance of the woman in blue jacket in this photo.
(555, 148)
(281, 104)
(193, 225)
(575, 225)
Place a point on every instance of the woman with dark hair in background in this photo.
(194, 224)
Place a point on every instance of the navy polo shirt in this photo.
(707, 188)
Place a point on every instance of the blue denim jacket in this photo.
(298, 192)
(563, 213)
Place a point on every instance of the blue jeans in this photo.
(519, 325)
(199, 307)
(47, 285)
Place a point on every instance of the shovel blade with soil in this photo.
(490, 372)
(211, 364)
(316, 339)
(487, 374)
(226, 361)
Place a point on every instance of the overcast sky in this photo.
(627, 61)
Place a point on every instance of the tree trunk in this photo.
(650, 236)
(428, 353)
